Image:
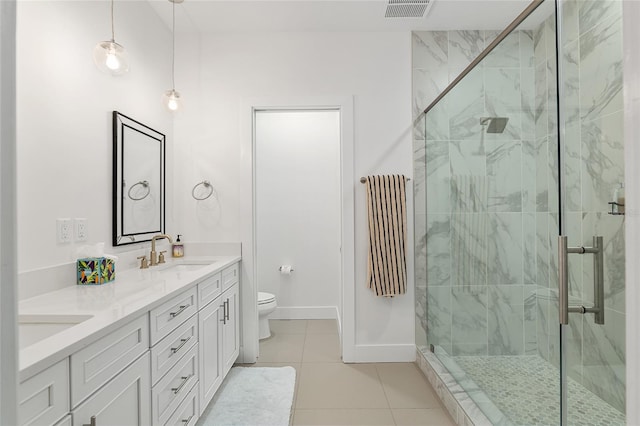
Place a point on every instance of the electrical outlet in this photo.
(80, 229)
(64, 230)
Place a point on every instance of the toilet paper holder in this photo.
(280, 268)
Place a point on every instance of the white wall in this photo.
(225, 69)
(64, 115)
(298, 205)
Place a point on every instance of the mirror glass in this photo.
(138, 181)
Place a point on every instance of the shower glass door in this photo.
(500, 187)
(592, 166)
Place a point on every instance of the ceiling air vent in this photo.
(408, 8)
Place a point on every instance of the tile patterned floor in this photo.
(329, 392)
(525, 389)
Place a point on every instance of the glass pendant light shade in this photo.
(110, 57)
(171, 100)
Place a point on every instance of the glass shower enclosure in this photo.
(519, 238)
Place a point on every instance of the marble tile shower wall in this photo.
(470, 185)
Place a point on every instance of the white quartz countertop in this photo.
(133, 293)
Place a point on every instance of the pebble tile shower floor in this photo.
(526, 389)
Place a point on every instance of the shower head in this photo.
(495, 124)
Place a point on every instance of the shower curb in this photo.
(461, 407)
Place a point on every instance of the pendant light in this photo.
(171, 98)
(109, 56)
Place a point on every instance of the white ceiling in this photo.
(333, 15)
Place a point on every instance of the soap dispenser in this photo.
(177, 248)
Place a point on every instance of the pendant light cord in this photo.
(173, 48)
(113, 31)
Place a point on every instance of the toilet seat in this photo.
(265, 298)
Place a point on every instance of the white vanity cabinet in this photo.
(111, 378)
(122, 401)
(219, 338)
(99, 362)
(44, 398)
(161, 368)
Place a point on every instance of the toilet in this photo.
(266, 305)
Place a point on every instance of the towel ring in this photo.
(206, 184)
(143, 183)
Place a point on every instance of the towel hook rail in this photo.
(206, 184)
(145, 184)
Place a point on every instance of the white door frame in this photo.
(8, 216)
(343, 104)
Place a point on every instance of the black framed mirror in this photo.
(138, 181)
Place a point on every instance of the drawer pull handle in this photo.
(182, 343)
(226, 311)
(185, 380)
(179, 311)
(93, 421)
(188, 420)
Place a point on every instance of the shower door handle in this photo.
(598, 280)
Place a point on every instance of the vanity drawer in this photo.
(187, 413)
(209, 289)
(96, 364)
(44, 398)
(169, 350)
(230, 276)
(168, 316)
(171, 390)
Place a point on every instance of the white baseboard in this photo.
(305, 312)
(384, 353)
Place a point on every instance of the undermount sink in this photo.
(185, 266)
(35, 327)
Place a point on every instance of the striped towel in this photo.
(387, 211)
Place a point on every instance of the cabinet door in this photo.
(65, 422)
(231, 329)
(210, 323)
(96, 364)
(44, 398)
(125, 400)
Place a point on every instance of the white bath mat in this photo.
(253, 396)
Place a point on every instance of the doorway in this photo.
(297, 211)
(298, 294)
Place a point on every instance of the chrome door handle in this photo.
(226, 311)
(598, 280)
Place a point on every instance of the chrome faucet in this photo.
(153, 261)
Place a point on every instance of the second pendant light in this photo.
(171, 98)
